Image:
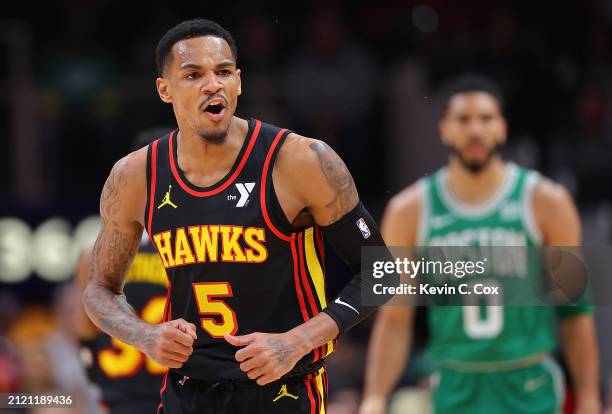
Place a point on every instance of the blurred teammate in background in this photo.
(492, 359)
(129, 380)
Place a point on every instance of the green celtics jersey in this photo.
(485, 332)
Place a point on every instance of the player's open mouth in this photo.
(475, 149)
(215, 110)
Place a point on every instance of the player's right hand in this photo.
(373, 405)
(170, 343)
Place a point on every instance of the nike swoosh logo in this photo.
(534, 383)
(343, 303)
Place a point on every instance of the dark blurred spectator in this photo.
(8, 367)
(262, 66)
(81, 102)
(28, 335)
(587, 145)
(331, 85)
(9, 374)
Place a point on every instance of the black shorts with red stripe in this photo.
(300, 394)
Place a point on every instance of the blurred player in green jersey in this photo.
(489, 359)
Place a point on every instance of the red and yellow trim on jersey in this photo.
(309, 275)
(316, 387)
(308, 254)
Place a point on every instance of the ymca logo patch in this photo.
(245, 190)
(363, 228)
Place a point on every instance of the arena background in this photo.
(78, 86)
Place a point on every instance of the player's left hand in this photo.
(267, 357)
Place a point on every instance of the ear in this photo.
(442, 130)
(163, 89)
(239, 82)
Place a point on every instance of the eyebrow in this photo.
(224, 64)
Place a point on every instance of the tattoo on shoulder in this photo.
(338, 177)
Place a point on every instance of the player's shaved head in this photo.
(188, 30)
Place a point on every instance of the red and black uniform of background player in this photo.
(128, 379)
(235, 266)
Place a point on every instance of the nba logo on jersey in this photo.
(363, 227)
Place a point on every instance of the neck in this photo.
(204, 163)
(474, 188)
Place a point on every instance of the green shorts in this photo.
(538, 388)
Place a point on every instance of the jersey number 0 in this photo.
(487, 327)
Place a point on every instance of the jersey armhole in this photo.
(276, 212)
(528, 217)
(270, 206)
(424, 212)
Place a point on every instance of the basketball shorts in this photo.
(535, 389)
(305, 394)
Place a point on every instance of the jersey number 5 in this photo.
(221, 319)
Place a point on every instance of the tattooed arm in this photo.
(122, 206)
(313, 183)
(85, 329)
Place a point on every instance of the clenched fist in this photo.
(170, 343)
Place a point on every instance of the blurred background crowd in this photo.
(78, 87)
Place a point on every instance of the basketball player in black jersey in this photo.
(236, 209)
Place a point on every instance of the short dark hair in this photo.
(188, 30)
(472, 83)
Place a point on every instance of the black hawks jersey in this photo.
(232, 268)
(124, 374)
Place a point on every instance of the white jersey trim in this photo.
(477, 211)
(528, 218)
(423, 221)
